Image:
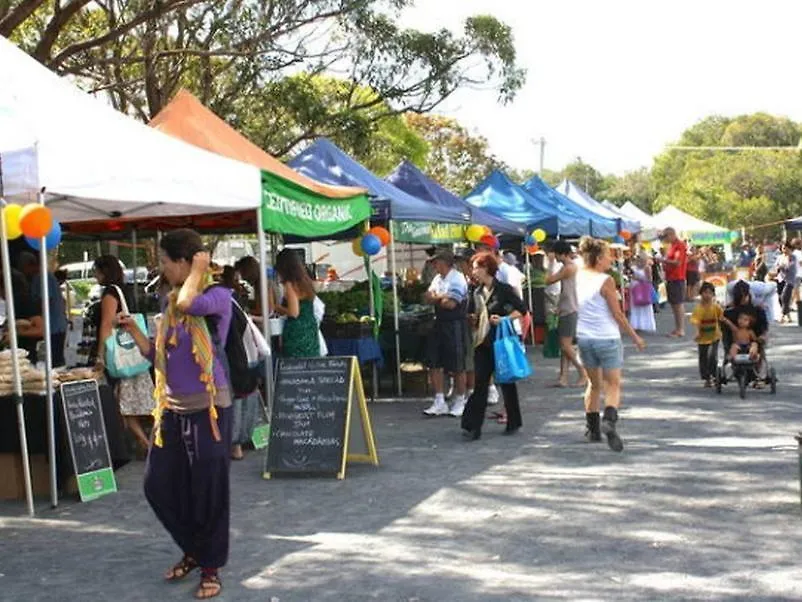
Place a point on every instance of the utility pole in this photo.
(542, 143)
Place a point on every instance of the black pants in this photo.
(708, 360)
(187, 484)
(57, 341)
(474, 415)
(785, 298)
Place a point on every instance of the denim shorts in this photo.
(607, 354)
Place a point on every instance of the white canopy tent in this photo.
(649, 230)
(94, 162)
(76, 154)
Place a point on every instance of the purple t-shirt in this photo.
(183, 373)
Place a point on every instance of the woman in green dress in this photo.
(300, 335)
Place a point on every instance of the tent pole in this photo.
(51, 419)
(15, 371)
(133, 261)
(372, 300)
(531, 300)
(260, 234)
(396, 333)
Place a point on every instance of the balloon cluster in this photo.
(475, 232)
(534, 239)
(371, 242)
(34, 222)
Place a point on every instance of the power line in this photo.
(735, 148)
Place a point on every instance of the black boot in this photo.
(608, 428)
(592, 427)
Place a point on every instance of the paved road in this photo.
(702, 505)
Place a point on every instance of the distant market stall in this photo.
(576, 194)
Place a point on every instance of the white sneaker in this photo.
(492, 395)
(438, 408)
(450, 388)
(458, 407)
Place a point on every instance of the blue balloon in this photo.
(619, 240)
(52, 239)
(530, 240)
(371, 244)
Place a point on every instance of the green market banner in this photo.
(713, 238)
(288, 208)
(428, 232)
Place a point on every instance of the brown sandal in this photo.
(210, 586)
(184, 567)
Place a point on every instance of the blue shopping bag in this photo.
(511, 361)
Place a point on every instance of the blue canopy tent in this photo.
(410, 179)
(794, 224)
(500, 195)
(580, 197)
(325, 162)
(599, 226)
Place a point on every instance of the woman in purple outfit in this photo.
(187, 472)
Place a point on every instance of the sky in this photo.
(614, 81)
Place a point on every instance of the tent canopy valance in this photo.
(410, 179)
(499, 195)
(56, 138)
(325, 162)
(576, 194)
(795, 223)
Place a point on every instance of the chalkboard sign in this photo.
(309, 430)
(86, 436)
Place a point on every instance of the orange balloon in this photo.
(35, 220)
(383, 234)
(626, 234)
(532, 249)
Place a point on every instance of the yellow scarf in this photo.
(202, 351)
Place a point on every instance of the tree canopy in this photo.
(241, 57)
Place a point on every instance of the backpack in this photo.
(242, 370)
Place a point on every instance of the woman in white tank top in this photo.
(599, 326)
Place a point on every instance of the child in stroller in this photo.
(744, 339)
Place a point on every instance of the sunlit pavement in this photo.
(702, 504)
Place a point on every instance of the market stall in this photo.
(324, 161)
(93, 164)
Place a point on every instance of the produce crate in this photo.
(348, 330)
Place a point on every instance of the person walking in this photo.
(492, 301)
(641, 314)
(599, 335)
(566, 312)
(790, 269)
(675, 264)
(299, 337)
(707, 318)
(187, 470)
(448, 294)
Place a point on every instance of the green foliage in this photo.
(255, 63)
(584, 175)
(733, 188)
(635, 187)
(456, 158)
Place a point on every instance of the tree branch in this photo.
(16, 16)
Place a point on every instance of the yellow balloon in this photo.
(11, 213)
(356, 247)
(475, 232)
(35, 220)
(539, 234)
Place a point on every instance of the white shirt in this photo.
(595, 321)
(509, 274)
(453, 285)
(554, 289)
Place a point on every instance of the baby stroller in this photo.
(744, 369)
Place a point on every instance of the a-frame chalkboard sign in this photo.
(313, 417)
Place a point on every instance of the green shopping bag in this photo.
(551, 345)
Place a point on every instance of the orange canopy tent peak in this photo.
(186, 118)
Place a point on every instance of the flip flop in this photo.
(495, 416)
(558, 386)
